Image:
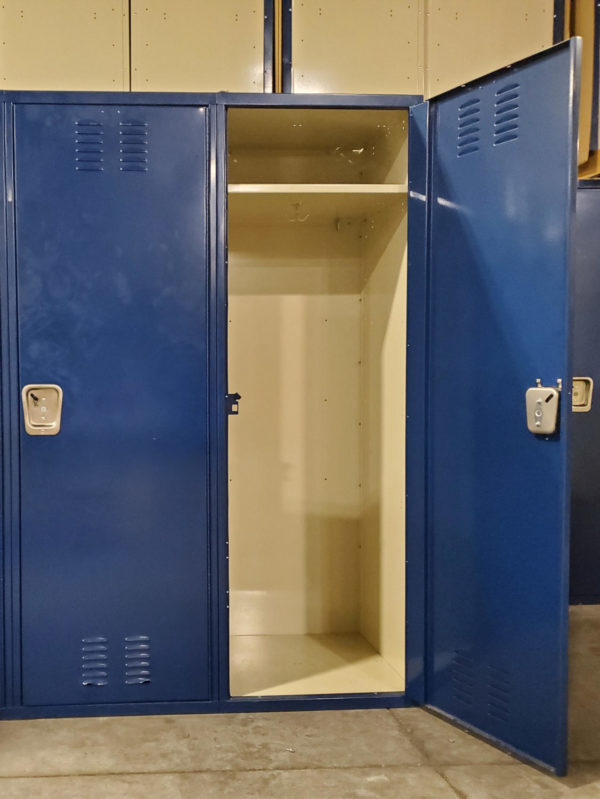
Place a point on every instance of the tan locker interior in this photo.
(317, 277)
(201, 46)
(62, 45)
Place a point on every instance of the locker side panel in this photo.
(585, 499)
(112, 273)
(64, 45)
(3, 339)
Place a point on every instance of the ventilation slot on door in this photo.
(498, 693)
(469, 119)
(137, 659)
(94, 661)
(133, 146)
(89, 146)
(506, 114)
(463, 678)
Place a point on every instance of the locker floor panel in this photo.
(272, 665)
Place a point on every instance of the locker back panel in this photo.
(111, 239)
(197, 47)
(64, 45)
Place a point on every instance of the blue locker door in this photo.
(501, 201)
(111, 208)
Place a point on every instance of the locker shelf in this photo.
(285, 203)
(280, 665)
(317, 188)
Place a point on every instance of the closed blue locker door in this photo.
(501, 199)
(111, 218)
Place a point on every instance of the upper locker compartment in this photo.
(329, 164)
(316, 348)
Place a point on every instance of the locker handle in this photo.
(42, 408)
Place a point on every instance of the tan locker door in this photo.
(468, 38)
(356, 46)
(200, 46)
(64, 45)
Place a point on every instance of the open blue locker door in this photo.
(500, 198)
(111, 291)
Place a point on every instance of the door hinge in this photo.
(233, 403)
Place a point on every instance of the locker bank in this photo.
(266, 442)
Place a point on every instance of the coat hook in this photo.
(297, 217)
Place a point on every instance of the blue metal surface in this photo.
(109, 98)
(499, 315)
(251, 704)
(249, 99)
(219, 297)
(585, 427)
(226, 98)
(10, 437)
(416, 403)
(3, 362)
(112, 297)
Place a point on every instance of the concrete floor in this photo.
(395, 754)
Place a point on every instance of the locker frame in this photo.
(417, 534)
(217, 105)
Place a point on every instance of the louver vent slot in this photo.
(94, 661)
(133, 152)
(137, 659)
(89, 146)
(463, 678)
(469, 119)
(498, 693)
(506, 114)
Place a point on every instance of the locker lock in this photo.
(542, 404)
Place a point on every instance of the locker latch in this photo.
(583, 388)
(233, 406)
(542, 405)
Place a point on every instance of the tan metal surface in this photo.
(64, 45)
(42, 408)
(357, 46)
(314, 146)
(584, 27)
(469, 38)
(581, 396)
(316, 348)
(200, 46)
